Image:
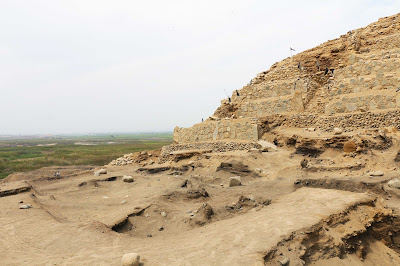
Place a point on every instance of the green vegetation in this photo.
(23, 154)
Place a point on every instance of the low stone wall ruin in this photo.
(219, 146)
(238, 129)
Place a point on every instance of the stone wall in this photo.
(212, 146)
(271, 89)
(275, 105)
(365, 75)
(375, 100)
(347, 122)
(238, 129)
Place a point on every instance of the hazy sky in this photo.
(81, 66)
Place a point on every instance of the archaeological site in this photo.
(299, 167)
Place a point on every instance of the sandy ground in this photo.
(84, 219)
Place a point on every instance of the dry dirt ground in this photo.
(329, 211)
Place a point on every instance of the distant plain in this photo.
(21, 154)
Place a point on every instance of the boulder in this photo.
(130, 259)
(267, 146)
(394, 183)
(337, 131)
(235, 181)
(127, 179)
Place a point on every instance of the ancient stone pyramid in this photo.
(351, 82)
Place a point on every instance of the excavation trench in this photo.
(340, 184)
(352, 232)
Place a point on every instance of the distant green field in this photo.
(24, 154)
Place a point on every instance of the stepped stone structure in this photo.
(350, 82)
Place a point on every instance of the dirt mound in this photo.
(48, 173)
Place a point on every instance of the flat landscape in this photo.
(21, 154)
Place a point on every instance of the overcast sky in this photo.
(84, 66)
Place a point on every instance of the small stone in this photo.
(284, 261)
(26, 206)
(149, 235)
(349, 146)
(394, 183)
(123, 202)
(255, 150)
(189, 211)
(163, 214)
(376, 173)
(130, 259)
(102, 171)
(161, 228)
(337, 131)
(127, 179)
(235, 181)
(267, 146)
(21, 201)
(258, 170)
(304, 163)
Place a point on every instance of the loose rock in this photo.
(102, 171)
(337, 131)
(235, 181)
(25, 206)
(130, 259)
(128, 179)
(284, 261)
(376, 173)
(267, 146)
(394, 183)
(349, 146)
